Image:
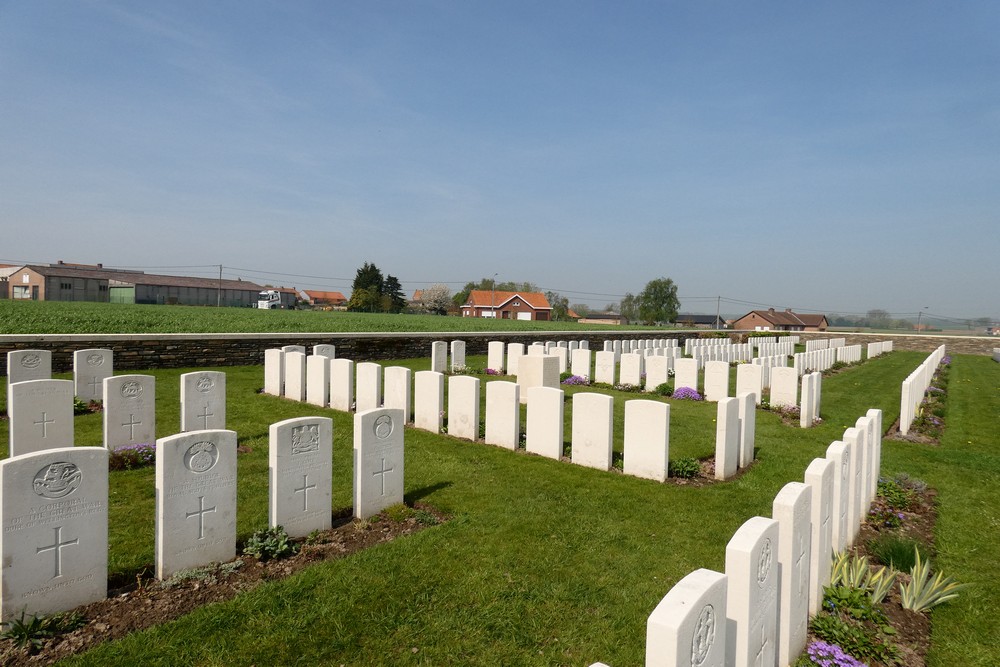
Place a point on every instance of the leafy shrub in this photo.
(663, 389)
(686, 468)
(129, 457)
(885, 517)
(270, 543)
(854, 602)
(854, 639)
(895, 494)
(31, 632)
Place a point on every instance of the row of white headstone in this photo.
(757, 612)
(824, 344)
(914, 387)
(54, 503)
(40, 412)
(875, 349)
(90, 368)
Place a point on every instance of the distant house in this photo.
(611, 319)
(780, 320)
(699, 321)
(507, 305)
(93, 282)
(318, 298)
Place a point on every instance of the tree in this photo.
(658, 302)
(436, 299)
(629, 307)
(580, 309)
(560, 306)
(394, 292)
(370, 292)
(879, 319)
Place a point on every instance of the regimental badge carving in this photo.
(704, 635)
(764, 564)
(31, 360)
(57, 480)
(201, 457)
(205, 384)
(305, 439)
(383, 427)
(131, 389)
(95, 359)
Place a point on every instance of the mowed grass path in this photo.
(54, 317)
(545, 562)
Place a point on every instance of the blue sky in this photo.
(821, 156)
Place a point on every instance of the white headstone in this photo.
(537, 371)
(40, 415)
(806, 413)
(325, 350)
(840, 455)
(819, 476)
(457, 355)
(716, 380)
(593, 424)
(876, 418)
(544, 421)
(463, 407)
(647, 439)
(300, 467)
(792, 509)
(341, 384)
(855, 441)
(864, 426)
(398, 382)
(295, 375)
(686, 374)
(688, 627)
(129, 410)
(562, 355)
(318, 380)
(580, 364)
(752, 593)
(514, 353)
(293, 348)
(604, 368)
(657, 371)
(368, 393)
(274, 371)
(195, 500)
(90, 367)
(630, 369)
(749, 378)
(727, 438)
(428, 400)
(503, 414)
(748, 428)
(784, 386)
(203, 401)
(54, 542)
(494, 356)
(439, 356)
(24, 365)
(378, 461)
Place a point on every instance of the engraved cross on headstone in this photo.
(131, 424)
(758, 661)
(94, 383)
(381, 475)
(801, 565)
(200, 513)
(305, 488)
(205, 414)
(57, 547)
(44, 422)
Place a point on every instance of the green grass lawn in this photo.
(54, 317)
(545, 562)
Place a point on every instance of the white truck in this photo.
(269, 299)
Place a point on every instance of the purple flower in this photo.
(577, 380)
(493, 371)
(830, 655)
(686, 394)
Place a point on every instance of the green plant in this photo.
(894, 550)
(270, 543)
(854, 602)
(922, 592)
(895, 494)
(31, 631)
(663, 389)
(80, 407)
(880, 583)
(686, 468)
(850, 571)
(854, 639)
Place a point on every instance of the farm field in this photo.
(543, 562)
(51, 317)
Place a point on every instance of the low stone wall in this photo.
(142, 351)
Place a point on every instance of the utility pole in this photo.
(493, 297)
(218, 297)
(718, 302)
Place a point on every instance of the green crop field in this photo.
(544, 562)
(53, 317)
